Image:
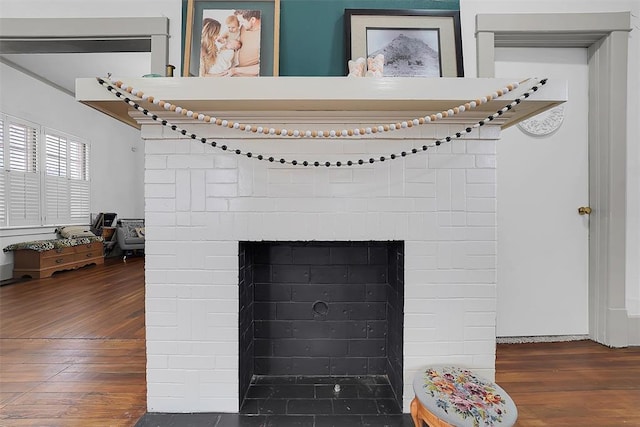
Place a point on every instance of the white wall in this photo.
(117, 151)
(468, 11)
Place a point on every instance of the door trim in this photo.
(605, 35)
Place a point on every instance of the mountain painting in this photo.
(407, 52)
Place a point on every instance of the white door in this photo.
(542, 181)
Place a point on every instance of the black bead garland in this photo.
(327, 164)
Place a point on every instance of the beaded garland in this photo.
(118, 92)
(318, 133)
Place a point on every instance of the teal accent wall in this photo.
(312, 33)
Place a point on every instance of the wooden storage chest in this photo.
(28, 262)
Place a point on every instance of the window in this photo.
(30, 194)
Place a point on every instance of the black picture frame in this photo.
(425, 29)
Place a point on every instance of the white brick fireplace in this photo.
(201, 201)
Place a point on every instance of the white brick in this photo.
(165, 376)
(458, 147)
(390, 204)
(160, 190)
(481, 219)
(480, 318)
(479, 347)
(420, 175)
(160, 205)
(445, 214)
(191, 362)
(489, 132)
(443, 190)
(479, 333)
(160, 147)
(481, 147)
(451, 161)
(221, 190)
(486, 162)
(183, 190)
(225, 161)
(217, 204)
(155, 161)
(198, 190)
(458, 190)
(290, 190)
(482, 262)
(425, 204)
(419, 189)
(161, 304)
(475, 204)
(481, 190)
(156, 362)
(160, 219)
(227, 362)
(222, 176)
(481, 176)
(163, 176)
(279, 176)
(482, 233)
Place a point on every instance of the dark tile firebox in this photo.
(321, 309)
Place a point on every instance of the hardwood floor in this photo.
(72, 349)
(72, 353)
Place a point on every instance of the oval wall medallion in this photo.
(544, 123)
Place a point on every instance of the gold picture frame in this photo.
(269, 38)
(421, 43)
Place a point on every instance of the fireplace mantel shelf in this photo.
(333, 96)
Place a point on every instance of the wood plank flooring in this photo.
(72, 349)
(72, 353)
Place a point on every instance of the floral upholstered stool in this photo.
(449, 396)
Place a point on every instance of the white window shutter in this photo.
(79, 184)
(51, 188)
(56, 186)
(23, 176)
(3, 178)
(79, 201)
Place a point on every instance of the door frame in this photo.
(84, 35)
(605, 35)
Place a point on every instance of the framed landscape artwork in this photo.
(414, 43)
(231, 38)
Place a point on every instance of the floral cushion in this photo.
(461, 398)
(47, 245)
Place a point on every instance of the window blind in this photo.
(44, 175)
(23, 183)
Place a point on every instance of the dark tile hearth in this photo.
(308, 395)
(239, 420)
(302, 401)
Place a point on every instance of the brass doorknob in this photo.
(584, 210)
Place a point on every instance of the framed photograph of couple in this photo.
(231, 38)
(414, 43)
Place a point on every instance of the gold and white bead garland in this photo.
(392, 156)
(318, 133)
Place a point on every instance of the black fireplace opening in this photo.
(321, 327)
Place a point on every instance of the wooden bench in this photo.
(42, 258)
